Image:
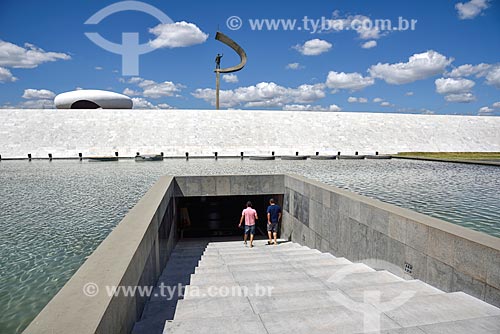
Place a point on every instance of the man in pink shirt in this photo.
(249, 215)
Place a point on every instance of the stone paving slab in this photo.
(213, 307)
(338, 320)
(249, 324)
(447, 307)
(337, 272)
(319, 262)
(390, 291)
(292, 301)
(257, 276)
(483, 325)
(216, 278)
(360, 279)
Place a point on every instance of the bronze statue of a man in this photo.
(217, 60)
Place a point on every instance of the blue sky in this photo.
(449, 64)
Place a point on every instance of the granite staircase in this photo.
(289, 288)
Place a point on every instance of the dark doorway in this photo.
(220, 215)
(85, 104)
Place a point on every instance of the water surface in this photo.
(54, 214)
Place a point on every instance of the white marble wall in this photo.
(64, 133)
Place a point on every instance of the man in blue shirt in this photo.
(273, 218)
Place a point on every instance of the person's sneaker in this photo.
(251, 246)
(269, 242)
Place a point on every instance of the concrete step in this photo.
(361, 279)
(213, 307)
(211, 269)
(213, 278)
(446, 307)
(244, 267)
(483, 325)
(251, 259)
(390, 291)
(236, 244)
(275, 287)
(319, 262)
(306, 257)
(337, 319)
(194, 291)
(267, 275)
(291, 301)
(247, 324)
(336, 271)
(280, 286)
(240, 248)
(264, 253)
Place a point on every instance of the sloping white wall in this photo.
(65, 133)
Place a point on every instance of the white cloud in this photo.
(493, 77)
(353, 81)
(314, 47)
(369, 44)
(37, 104)
(38, 94)
(165, 106)
(263, 95)
(485, 110)
(154, 89)
(334, 107)
(496, 105)
(230, 78)
(293, 66)
(6, 75)
(37, 99)
(491, 72)
(453, 86)
(363, 25)
(467, 70)
(28, 56)
(131, 92)
(177, 35)
(456, 90)
(460, 97)
(409, 93)
(471, 9)
(308, 107)
(30, 104)
(352, 99)
(141, 103)
(386, 104)
(98, 68)
(378, 100)
(419, 66)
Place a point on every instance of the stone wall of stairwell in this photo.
(447, 256)
(229, 185)
(133, 254)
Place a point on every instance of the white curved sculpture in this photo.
(92, 99)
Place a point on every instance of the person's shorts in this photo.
(273, 227)
(249, 229)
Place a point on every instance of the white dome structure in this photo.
(92, 99)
